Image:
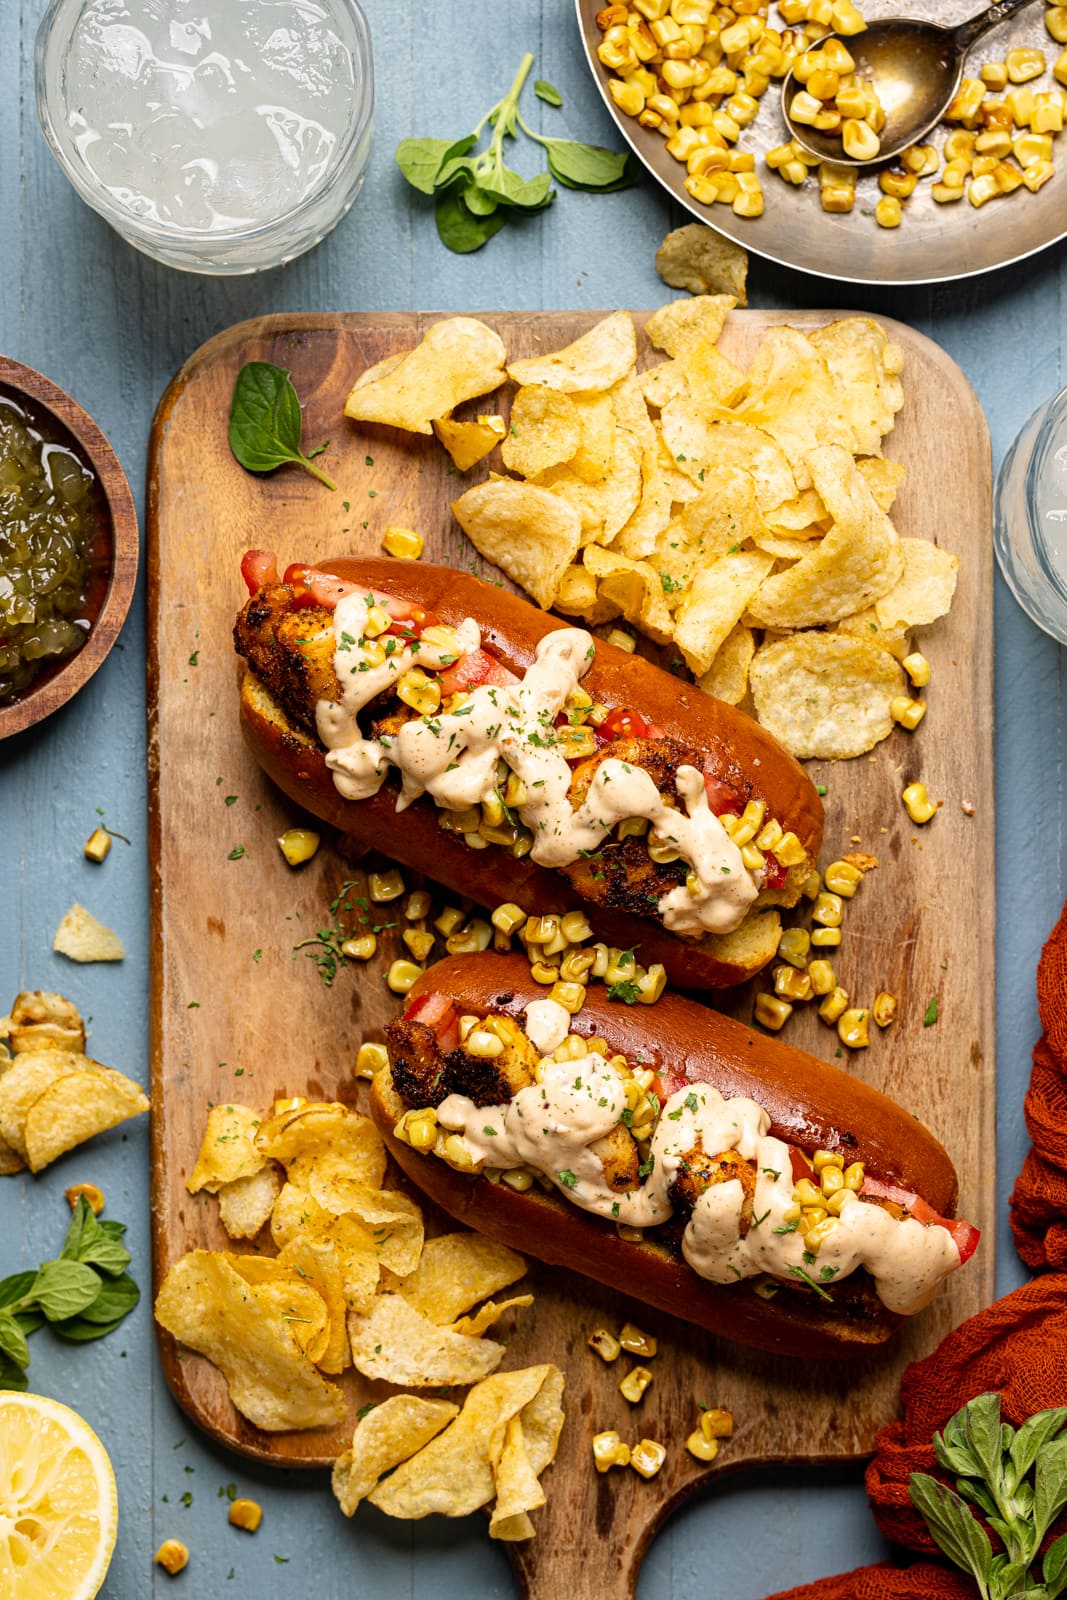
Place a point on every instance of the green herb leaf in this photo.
(510, 189)
(116, 1300)
(13, 1346)
(930, 1014)
(65, 1288)
(1035, 1433)
(18, 1287)
(589, 166)
(422, 161)
(625, 990)
(12, 1376)
(952, 1527)
(547, 92)
(1050, 1487)
(1054, 1567)
(266, 422)
(98, 1244)
(459, 229)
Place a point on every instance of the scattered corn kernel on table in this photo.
(112, 327)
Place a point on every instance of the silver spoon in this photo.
(916, 67)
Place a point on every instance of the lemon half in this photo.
(59, 1509)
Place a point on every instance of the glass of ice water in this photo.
(220, 136)
(1030, 530)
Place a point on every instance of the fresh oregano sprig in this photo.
(1018, 1479)
(475, 191)
(84, 1293)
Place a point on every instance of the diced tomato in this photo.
(721, 798)
(802, 1167)
(624, 724)
(437, 1012)
(964, 1234)
(473, 669)
(774, 874)
(259, 568)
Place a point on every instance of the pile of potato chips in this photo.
(356, 1283)
(741, 517)
(53, 1097)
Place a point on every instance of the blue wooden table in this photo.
(112, 327)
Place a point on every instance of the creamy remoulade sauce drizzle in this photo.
(551, 1126)
(453, 757)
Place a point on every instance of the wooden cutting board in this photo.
(239, 1014)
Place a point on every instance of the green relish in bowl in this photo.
(53, 556)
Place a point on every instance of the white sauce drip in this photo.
(551, 1125)
(453, 757)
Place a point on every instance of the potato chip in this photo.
(781, 548)
(864, 625)
(799, 518)
(393, 1221)
(469, 442)
(453, 1476)
(884, 478)
(395, 1342)
(532, 534)
(699, 259)
(857, 562)
(721, 518)
(675, 326)
(662, 382)
(863, 366)
(791, 396)
(39, 1020)
(577, 597)
(456, 1271)
(593, 458)
(699, 442)
(824, 695)
(246, 1203)
(80, 937)
(330, 1138)
(75, 1109)
(389, 1434)
(10, 1160)
(608, 504)
(488, 1315)
(455, 360)
(227, 1150)
(598, 360)
(304, 1308)
(637, 538)
(518, 1489)
(25, 1081)
(297, 1216)
(318, 1262)
(542, 1420)
(925, 589)
(243, 1330)
(635, 587)
(727, 677)
(714, 602)
(544, 432)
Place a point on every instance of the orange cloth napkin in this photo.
(1018, 1346)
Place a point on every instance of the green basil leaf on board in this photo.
(547, 92)
(422, 160)
(266, 422)
(15, 1288)
(459, 229)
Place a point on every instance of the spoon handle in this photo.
(968, 33)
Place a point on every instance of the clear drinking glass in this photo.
(1030, 526)
(220, 136)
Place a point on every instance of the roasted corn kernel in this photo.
(637, 1343)
(884, 1009)
(651, 984)
(917, 803)
(609, 1451)
(771, 1012)
(172, 1556)
(604, 1344)
(246, 1514)
(93, 1197)
(791, 984)
(822, 1160)
(908, 712)
(97, 845)
(401, 976)
(634, 1384)
(647, 1457)
(842, 878)
(370, 1058)
(887, 213)
(794, 946)
(834, 1006)
(826, 938)
(360, 948)
(852, 1029)
(822, 977)
(828, 910)
(298, 845)
(470, 940)
(703, 1449)
(406, 545)
(385, 886)
(1022, 65)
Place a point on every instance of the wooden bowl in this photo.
(116, 544)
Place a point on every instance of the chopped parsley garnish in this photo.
(826, 1273)
(489, 1132)
(625, 990)
(690, 1103)
(798, 1272)
(789, 1227)
(771, 1173)
(567, 1179)
(930, 1014)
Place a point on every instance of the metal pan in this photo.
(933, 244)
